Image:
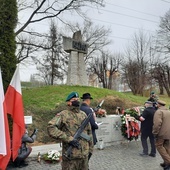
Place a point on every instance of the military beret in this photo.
(148, 102)
(152, 92)
(161, 102)
(72, 95)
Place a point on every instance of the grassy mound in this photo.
(49, 97)
(44, 102)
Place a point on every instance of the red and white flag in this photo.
(5, 148)
(14, 107)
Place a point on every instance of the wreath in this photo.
(129, 125)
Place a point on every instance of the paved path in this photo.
(117, 157)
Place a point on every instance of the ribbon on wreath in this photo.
(133, 129)
(127, 125)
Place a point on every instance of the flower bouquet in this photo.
(52, 156)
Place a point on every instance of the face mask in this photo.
(75, 103)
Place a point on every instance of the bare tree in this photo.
(45, 9)
(28, 46)
(29, 42)
(163, 34)
(52, 65)
(165, 76)
(162, 47)
(133, 76)
(155, 74)
(115, 60)
(161, 73)
(99, 67)
(104, 66)
(136, 65)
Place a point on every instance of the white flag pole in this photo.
(2, 123)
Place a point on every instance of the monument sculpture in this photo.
(76, 66)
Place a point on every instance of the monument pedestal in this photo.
(109, 132)
(76, 70)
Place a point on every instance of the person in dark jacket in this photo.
(25, 150)
(85, 106)
(146, 119)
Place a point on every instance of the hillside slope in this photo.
(49, 96)
(44, 102)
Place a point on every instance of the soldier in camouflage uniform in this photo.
(63, 127)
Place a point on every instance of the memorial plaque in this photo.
(80, 46)
(109, 131)
(74, 45)
(104, 130)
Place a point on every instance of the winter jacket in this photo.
(161, 123)
(85, 108)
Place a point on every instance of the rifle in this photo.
(78, 135)
(98, 106)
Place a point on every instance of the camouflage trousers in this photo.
(76, 164)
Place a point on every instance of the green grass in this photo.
(41, 102)
(48, 97)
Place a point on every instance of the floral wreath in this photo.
(129, 125)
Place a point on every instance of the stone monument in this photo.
(109, 131)
(76, 67)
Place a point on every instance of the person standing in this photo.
(63, 127)
(146, 119)
(161, 131)
(85, 106)
(153, 98)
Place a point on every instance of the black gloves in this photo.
(75, 143)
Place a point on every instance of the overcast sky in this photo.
(124, 17)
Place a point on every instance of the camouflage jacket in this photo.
(63, 127)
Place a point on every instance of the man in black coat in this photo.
(146, 119)
(85, 106)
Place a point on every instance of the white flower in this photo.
(53, 155)
(49, 156)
